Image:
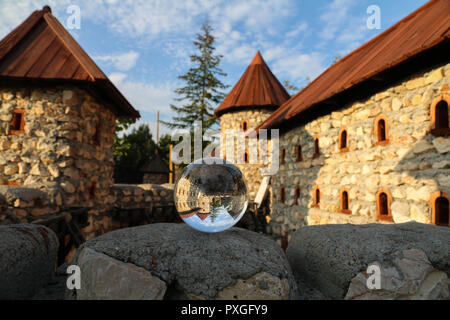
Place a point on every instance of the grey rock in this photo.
(200, 265)
(325, 258)
(105, 278)
(28, 257)
(12, 193)
(407, 275)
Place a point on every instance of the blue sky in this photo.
(143, 45)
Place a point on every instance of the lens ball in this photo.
(211, 195)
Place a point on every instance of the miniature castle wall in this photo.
(233, 121)
(411, 167)
(66, 144)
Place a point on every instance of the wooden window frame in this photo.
(316, 151)
(389, 199)
(283, 194)
(341, 149)
(346, 211)
(22, 121)
(441, 131)
(297, 195)
(316, 204)
(433, 198)
(299, 153)
(376, 130)
(242, 125)
(283, 156)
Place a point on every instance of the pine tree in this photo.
(203, 89)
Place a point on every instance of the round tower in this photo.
(252, 100)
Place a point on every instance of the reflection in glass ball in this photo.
(211, 195)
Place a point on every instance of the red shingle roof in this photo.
(41, 49)
(423, 29)
(258, 87)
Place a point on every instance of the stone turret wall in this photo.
(66, 143)
(411, 167)
(233, 121)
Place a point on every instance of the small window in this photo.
(244, 125)
(246, 157)
(297, 195)
(316, 148)
(18, 121)
(383, 205)
(316, 197)
(343, 140)
(381, 130)
(299, 154)
(345, 202)
(283, 194)
(283, 156)
(440, 209)
(439, 116)
(93, 190)
(96, 137)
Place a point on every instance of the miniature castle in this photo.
(368, 140)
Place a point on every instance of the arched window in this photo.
(246, 157)
(316, 202)
(345, 202)
(298, 151)
(297, 195)
(96, 137)
(244, 125)
(381, 130)
(93, 190)
(283, 194)
(439, 116)
(316, 148)
(440, 208)
(343, 140)
(384, 205)
(283, 156)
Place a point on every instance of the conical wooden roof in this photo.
(258, 87)
(41, 50)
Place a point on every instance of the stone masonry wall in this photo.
(233, 121)
(67, 143)
(411, 167)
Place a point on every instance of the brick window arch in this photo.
(17, 121)
(440, 116)
(316, 148)
(345, 201)
(316, 197)
(439, 203)
(298, 152)
(244, 125)
(384, 200)
(283, 156)
(381, 130)
(297, 195)
(343, 140)
(283, 194)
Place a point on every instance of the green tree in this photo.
(290, 88)
(164, 147)
(203, 89)
(131, 152)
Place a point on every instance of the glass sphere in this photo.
(211, 195)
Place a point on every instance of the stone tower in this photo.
(252, 100)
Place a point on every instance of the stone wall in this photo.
(233, 121)
(411, 167)
(66, 143)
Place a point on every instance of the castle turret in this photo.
(252, 100)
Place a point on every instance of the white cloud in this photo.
(296, 31)
(144, 96)
(121, 61)
(300, 66)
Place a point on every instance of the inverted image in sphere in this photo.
(211, 195)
